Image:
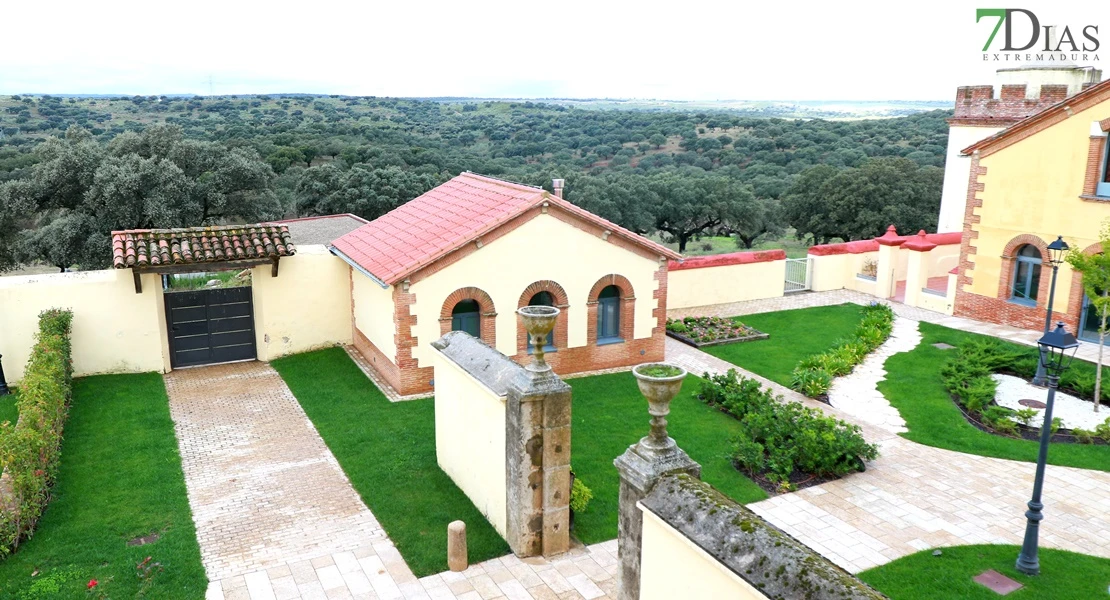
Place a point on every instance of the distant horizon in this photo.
(450, 97)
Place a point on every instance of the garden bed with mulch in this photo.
(1026, 432)
(700, 332)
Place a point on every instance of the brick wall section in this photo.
(977, 104)
(1075, 296)
(487, 313)
(414, 379)
(1092, 173)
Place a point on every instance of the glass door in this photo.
(1089, 321)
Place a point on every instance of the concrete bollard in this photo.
(456, 546)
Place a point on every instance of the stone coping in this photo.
(758, 552)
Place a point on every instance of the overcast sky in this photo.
(684, 50)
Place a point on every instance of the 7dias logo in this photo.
(1026, 39)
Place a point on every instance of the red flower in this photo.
(92, 584)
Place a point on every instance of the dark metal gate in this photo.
(210, 326)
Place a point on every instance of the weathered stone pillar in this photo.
(641, 467)
(917, 268)
(537, 445)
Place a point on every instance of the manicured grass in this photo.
(8, 410)
(916, 389)
(795, 334)
(922, 576)
(609, 415)
(120, 478)
(388, 451)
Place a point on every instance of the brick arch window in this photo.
(469, 309)
(1020, 279)
(610, 309)
(549, 293)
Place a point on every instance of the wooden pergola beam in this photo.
(236, 265)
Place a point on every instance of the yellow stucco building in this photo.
(467, 254)
(1043, 177)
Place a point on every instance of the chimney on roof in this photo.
(558, 184)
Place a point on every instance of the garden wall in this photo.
(114, 329)
(725, 278)
(697, 543)
(307, 306)
(470, 434)
(838, 266)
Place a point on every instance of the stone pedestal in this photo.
(640, 468)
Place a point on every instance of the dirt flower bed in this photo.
(711, 331)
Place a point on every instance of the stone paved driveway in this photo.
(916, 497)
(277, 518)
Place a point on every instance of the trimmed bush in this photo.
(779, 439)
(31, 449)
(814, 374)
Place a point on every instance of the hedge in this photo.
(814, 374)
(30, 450)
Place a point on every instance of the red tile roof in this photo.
(419, 232)
(193, 245)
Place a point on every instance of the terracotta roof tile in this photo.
(445, 218)
(193, 245)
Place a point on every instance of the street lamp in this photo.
(1057, 351)
(1056, 251)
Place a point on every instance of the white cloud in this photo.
(695, 49)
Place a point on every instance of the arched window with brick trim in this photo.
(469, 309)
(1020, 280)
(611, 306)
(1025, 282)
(546, 293)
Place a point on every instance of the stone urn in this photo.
(538, 322)
(659, 383)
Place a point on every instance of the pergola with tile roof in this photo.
(200, 249)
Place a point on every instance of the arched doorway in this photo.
(466, 316)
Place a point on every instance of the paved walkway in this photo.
(915, 497)
(277, 519)
(857, 393)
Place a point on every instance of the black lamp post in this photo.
(1056, 252)
(1057, 351)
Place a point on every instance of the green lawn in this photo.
(609, 415)
(922, 576)
(388, 452)
(8, 410)
(795, 334)
(120, 479)
(915, 388)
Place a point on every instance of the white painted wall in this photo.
(373, 313)
(115, 330)
(957, 168)
(470, 437)
(724, 284)
(671, 566)
(543, 248)
(307, 306)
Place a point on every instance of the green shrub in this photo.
(676, 326)
(998, 419)
(778, 438)
(1025, 415)
(1082, 382)
(811, 382)
(30, 450)
(813, 374)
(1083, 436)
(1057, 423)
(1102, 430)
(580, 496)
